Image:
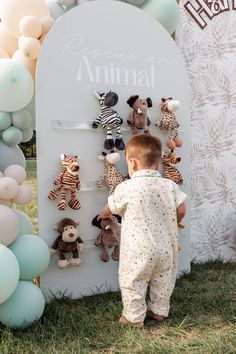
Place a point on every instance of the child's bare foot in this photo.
(124, 321)
(157, 318)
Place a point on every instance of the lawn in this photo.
(202, 319)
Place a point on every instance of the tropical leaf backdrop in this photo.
(210, 56)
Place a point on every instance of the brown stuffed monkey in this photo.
(139, 118)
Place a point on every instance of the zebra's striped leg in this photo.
(53, 194)
(109, 142)
(74, 202)
(62, 203)
(119, 142)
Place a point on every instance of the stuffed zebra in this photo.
(67, 181)
(109, 120)
(170, 161)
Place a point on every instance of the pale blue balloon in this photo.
(21, 119)
(5, 120)
(16, 85)
(164, 11)
(10, 155)
(27, 134)
(9, 273)
(12, 136)
(32, 254)
(26, 226)
(24, 307)
(135, 2)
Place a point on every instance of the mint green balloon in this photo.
(21, 119)
(24, 307)
(10, 155)
(32, 254)
(164, 11)
(9, 273)
(5, 120)
(27, 134)
(26, 226)
(12, 136)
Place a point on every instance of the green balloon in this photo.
(12, 136)
(26, 226)
(10, 155)
(5, 120)
(9, 273)
(23, 307)
(166, 12)
(27, 134)
(21, 119)
(32, 254)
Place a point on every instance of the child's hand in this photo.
(105, 214)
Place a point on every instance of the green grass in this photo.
(202, 318)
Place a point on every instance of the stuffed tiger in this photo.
(169, 161)
(67, 181)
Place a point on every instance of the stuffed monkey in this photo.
(139, 117)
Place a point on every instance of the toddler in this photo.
(151, 207)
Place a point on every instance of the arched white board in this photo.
(99, 45)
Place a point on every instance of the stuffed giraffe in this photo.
(112, 176)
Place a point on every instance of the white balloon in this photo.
(24, 195)
(7, 203)
(16, 172)
(8, 188)
(55, 9)
(16, 85)
(66, 2)
(9, 225)
(10, 155)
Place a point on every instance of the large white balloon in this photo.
(55, 9)
(24, 195)
(10, 155)
(16, 85)
(9, 225)
(17, 172)
(12, 12)
(8, 188)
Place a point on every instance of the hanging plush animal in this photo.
(139, 117)
(67, 182)
(169, 122)
(170, 162)
(68, 241)
(112, 176)
(108, 237)
(109, 120)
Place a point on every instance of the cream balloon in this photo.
(30, 47)
(16, 172)
(30, 64)
(12, 12)
(8, 188)
(30, 26)
(24, 195)
(7, 203)
(7, 41)
(9, 225)
(46, 23)
(3, 54)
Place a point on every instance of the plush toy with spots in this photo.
(68, 241)
(112, 176)
(169, 122)
(109, 120)
(67, 182)
(139, 119)
(170, 161)
(108, 237)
